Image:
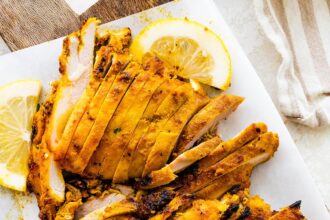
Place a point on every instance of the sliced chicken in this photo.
(166, 109)
(122, 170)
(73, 200)
(239, 177)
(234, 200)
(45, 178)
(71, 141)
(259, 150)
(259, 209)
(116, 62)
(218, 108)
(169, 134)
(98, 113)
(118, 90)
(227, 147)
(76, 63)
(112, 209)
(166, 85)
(124, 207)
(179, 202)
(98, 205)
(52, 186)
(290, 213)
(167, 174)
(40, 122)
(126, 118)
(203, 209)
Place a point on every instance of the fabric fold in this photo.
(297, 29)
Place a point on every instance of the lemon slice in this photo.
(17, 106)
(191, 48)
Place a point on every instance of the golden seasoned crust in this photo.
(170, 133)
(289, 213)
(227, 147)
(253, 153)
(218, 108)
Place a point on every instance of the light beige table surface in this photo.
(313, 143)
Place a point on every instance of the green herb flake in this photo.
(38, 107)
(116, 130)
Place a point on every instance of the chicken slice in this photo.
(234, 200)
(45, 178)
(73, 162)
(98, 204)
(73, 200)
(103, 61)
(167, 174)
(166, 86)
(95, 208)
(227, 147)
(122, 170)
(124, 207)
(118, 89)
(98, 113)
(166, 109)
(203, 209)
(127, 117)
(259, 209)
(259, 150)
(40, 122)
(238, 177)
(52, 186)
(218, 108)
(124, 121)
(290, 213)
(70, 141)
(76, 63)
(169, 134)
(178, 202)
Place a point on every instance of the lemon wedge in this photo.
(191, 48)
(17, 106)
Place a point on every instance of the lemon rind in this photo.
(138, 50)
(10, 90)
(12, 180)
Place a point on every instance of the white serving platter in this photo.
(280, 181)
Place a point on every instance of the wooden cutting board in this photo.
(26, 23)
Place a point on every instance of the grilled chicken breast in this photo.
(109, 61)
(227, 147)
(166, 109)
(122, 170)
(113, 99)
(239, 177)
(127, 117)
(291, 213)
(45, 177)
(218, 108)
(173, 206)
(76, 63)
(203, 209)
(169, 134)
(254, 153)
(96, 206)
(167, 174)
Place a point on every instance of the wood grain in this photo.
(26, 23)
(109, 10)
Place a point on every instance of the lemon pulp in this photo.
(17, 107)
(192, 49)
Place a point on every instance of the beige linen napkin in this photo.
(300, 31)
